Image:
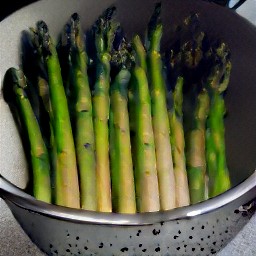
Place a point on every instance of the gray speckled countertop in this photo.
(13, 241)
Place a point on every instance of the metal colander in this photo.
(200, 229)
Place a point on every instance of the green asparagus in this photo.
(196, 162)
(140, 58)
(66, 187)
(81, 103)
(178, 144)
(146, 182)
(104, 32)
(38, 152)
(219, 180)
(123, 189)
(160, 120)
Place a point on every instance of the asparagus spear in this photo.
(103, 32)
(123, 189)
(161, 126)
(196, 162)
(141, 61)
(67, 187)
(38, 151)
(146, 182)
(178, 144)
(187, 62)
(82, 115)
(219, 180)
(36, 72)
(195, 143)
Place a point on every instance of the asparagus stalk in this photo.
(219, 180)
(146, 182)
(161, 126)
(123, 188)
(104, 31)
(178, 144)
(67, 187)
(82, 116)
(123, 180)
(141, 61)
(187, 62)
(38, 152)
(35, 70)
(196, 162)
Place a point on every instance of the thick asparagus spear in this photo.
(104, 31)
(82, 116)
(178, 144)
(219, 180)
(196, 162)
(38, 152)
(67, 187)
(161, 126)
(123, 188)
(123, 180)
(146, 182)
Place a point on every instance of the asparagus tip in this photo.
(44, 37)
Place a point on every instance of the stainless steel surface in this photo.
(239, 195)
(200, 235)
(47, 230)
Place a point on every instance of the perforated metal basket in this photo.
(201, 229)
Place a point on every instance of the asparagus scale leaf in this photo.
(67, 186)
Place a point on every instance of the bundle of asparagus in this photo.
(105, 130)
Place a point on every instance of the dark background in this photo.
(13, 5)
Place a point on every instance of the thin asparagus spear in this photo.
(104, 31)
(196, 162)
(82, 116)
(67, 187)
(43, 90)
(113, 162)
(147, 191)
(161, 126)
(38, 151)
(219, 180)
(141, 61)
(178, 144)
(38, 76)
